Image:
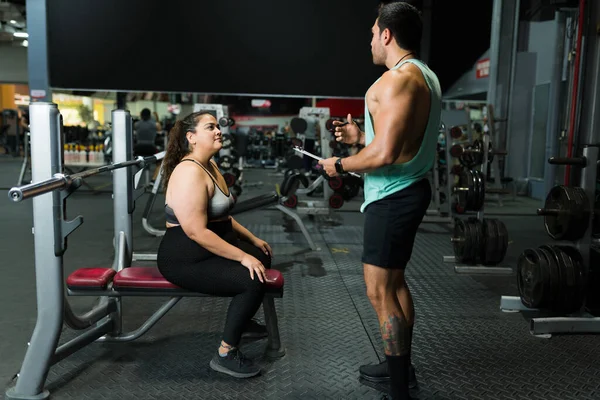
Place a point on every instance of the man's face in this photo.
(377, 48)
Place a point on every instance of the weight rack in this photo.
(316, 205)
(581, 321)
(441, 213)
(478, 268)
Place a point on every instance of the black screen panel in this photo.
(295, 48)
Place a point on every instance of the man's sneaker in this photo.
(234, 364)
(379, 373)
(254, 330)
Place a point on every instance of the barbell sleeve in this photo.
(578, 161)
(58, 182)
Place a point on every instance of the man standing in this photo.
(402, 118)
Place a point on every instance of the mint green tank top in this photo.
(392, 178)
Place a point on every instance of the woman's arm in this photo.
(242, 232)
(189, 199)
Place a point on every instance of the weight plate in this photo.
(490, 248)
(336, 201)
(551, 292)
(229, 179)
(475, 191)
(471, 254)
(291, 201)
(227, 141)
(556, 279)
(480, 241)
(562, 301)
(335, 183)
(532, 268)
(480, 190)
(579, 293)
(298, 125)
(456, 151)
(567, 213)
(224, 121)
(456, 132)
(503, 240)
(225, 162)
(459, 240)
(470, 183)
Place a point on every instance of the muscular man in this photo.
(402, 118)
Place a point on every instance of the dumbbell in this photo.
(456, 132)
(226, 122)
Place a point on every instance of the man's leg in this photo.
(408, 308)
(382, 290)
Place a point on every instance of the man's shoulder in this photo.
(402, 79)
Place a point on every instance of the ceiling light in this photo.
(21, 34)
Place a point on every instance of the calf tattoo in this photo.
(395, 333)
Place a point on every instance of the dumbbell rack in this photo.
(582, 321)
(474, 269)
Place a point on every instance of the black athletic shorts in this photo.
(391, 226)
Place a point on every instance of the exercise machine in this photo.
(317, 205)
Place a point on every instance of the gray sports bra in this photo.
(218, 206)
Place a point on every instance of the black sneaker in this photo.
(254, 330)
(234, 364)
(379, 373)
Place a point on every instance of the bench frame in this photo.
(104, 322)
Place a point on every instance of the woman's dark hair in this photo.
(404, 22)
(178, 146)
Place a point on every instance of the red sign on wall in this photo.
(482, 68)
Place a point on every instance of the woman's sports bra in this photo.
(218, 206)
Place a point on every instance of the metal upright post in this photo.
(554, 115)
(37, 51)
(123, 203)
(46, 154)
(503, 46)
(123, 183)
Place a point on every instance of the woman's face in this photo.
(207, 135)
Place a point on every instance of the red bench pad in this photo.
(90, 278)
(151, 278)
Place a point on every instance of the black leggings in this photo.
(190, 266)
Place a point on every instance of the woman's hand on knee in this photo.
(263, 246)
(255, 267)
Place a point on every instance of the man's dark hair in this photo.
(404, 22)
(145, 114)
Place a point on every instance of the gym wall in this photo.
(13, 64)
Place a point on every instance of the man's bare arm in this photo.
(393, 123)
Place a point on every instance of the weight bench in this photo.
(148, 281)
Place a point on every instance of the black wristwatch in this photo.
(338, 166)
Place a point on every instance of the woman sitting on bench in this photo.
(204, 249)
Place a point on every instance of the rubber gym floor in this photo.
(464, 346)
